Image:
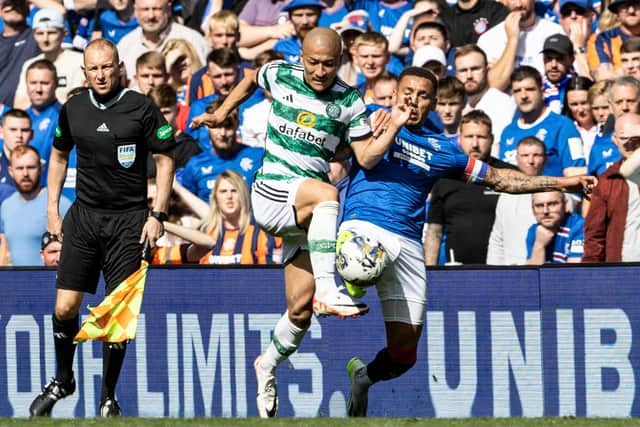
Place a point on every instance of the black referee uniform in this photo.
(102, 229)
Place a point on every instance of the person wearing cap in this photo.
(432, 58)
(23, 215)
(516, 41)
(557, 55)
(49, 32)
(607, 59)
(16, 46)
(304, 15)
(50, 248)
(565, 155)
(467, 20)
(576, 19)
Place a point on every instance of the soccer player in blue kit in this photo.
(386, 201)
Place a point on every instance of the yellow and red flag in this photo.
(115, 319)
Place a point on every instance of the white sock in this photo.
(322, 246)
(285, 341)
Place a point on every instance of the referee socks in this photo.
(63, 333)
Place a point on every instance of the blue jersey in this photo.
(44, 124)
(200, 173)
(290, 48)
(567, 243)
(113, 29)
(392, 195)
(603, 154)
(559, 134)
(383, 17)
(327, 19)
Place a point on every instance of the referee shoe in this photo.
(53, 391)
(267, 398)
(338, 304)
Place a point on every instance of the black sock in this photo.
(63, 333)
(383, 368)
(112, 359)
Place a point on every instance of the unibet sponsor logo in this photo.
(58, 132)
(299, 133)
(164, 132)
(306, 119)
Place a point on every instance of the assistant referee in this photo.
(113, 130)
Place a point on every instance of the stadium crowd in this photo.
(558, 81)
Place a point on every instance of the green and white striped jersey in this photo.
(305, 127)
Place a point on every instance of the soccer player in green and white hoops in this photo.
(313, 111)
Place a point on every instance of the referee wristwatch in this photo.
(160, 216)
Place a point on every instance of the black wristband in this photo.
(160, 216)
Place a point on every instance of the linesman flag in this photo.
(115, 319)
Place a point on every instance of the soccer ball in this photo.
(360, 259)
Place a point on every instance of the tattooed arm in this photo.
(432, 241)
(513, 181)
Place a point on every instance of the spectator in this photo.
(516, 41)
(19, 237)
(576, 19)
(304, 15)
(155, 30)
(262, 24)
(226, 234)
(514, 215)
(50, 248)
(16, 130)
(333, 13)
(423, 10)
(599, 101)
(607, 59)
(354, 24)
(384, 90)
(564, 146)
(116, 21)
(223, 72)
(557, 55)
(370, 54)
(44, 109)
(16, 46)
(48, 31)
(464, 211)
(221, 30)
(181, 62)
(432, 58)
(557, 236)
(151, 71)
(467, 20)
(165, 98)
(451, 99)
(578, 108)
(202, 170)
(612, 225)
(431, 33)
(471, 69)
(630, 57)
(624, 97)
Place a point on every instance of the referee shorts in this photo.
(98, 241)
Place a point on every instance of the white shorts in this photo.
(274, 209)
(402, 289)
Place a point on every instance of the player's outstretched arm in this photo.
(370, 151)
(238, 95)
(58, 162)
(513, 181)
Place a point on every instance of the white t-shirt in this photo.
(501, 109)
(530, 44)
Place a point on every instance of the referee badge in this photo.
(333, 110)
(126, 155)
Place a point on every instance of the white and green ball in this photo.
(360, 260)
